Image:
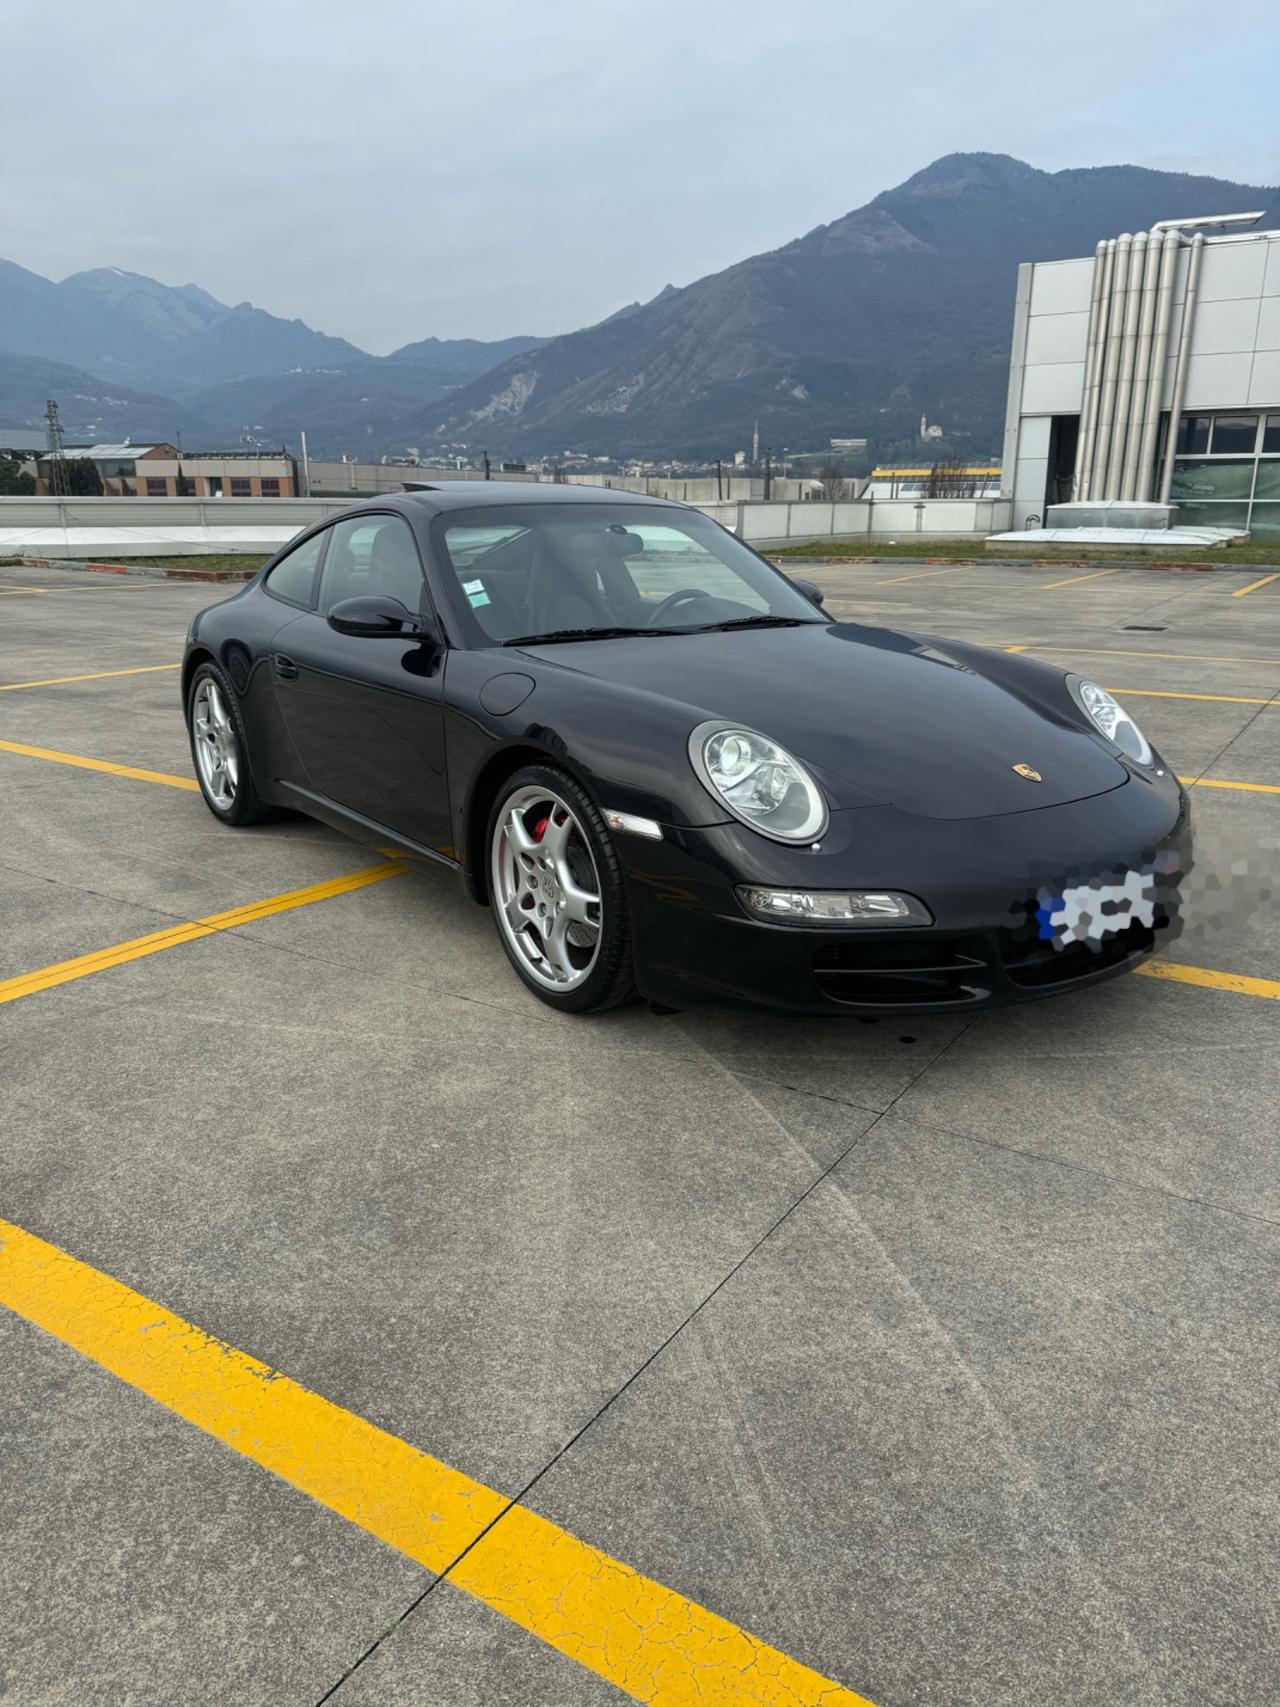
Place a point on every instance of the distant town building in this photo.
(219, 474)
(848, 447)
(117, 465)
(163, 471)
(937, 480)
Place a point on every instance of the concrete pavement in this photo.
(938, 1355)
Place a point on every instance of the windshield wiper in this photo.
(583, 634)
(758, 622)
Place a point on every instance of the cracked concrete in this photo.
(940, 1356)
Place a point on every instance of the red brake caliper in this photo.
(539, 829)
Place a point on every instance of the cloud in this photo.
(392, 172)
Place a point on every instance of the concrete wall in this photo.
(148, 527)
(1234, 357)
(777, 524)
(701, 489)
(357, 478)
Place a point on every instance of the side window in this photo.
(294, 577)
(372, 555)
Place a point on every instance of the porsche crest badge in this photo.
(1031, 775)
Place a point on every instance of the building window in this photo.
(1234, 435)
(241, 486)
(270, 486)
(1226, 472)
(1204, 477)
(1193, 435)
(157, 488)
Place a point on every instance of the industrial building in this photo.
(220, 474)
(1179, 323)
(128, 470)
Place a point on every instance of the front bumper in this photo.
(986, 881)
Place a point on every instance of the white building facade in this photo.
(1088, 415)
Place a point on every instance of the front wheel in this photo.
(219, 750)
(557, 893)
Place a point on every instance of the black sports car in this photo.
(670, 773)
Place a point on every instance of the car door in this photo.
(366, 714)
(290, 585)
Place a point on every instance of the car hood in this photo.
(881, 718)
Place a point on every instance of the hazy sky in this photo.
(393, 170)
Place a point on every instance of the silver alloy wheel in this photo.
(546, 888)
(217, 750)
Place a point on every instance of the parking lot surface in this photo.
(684, 1357)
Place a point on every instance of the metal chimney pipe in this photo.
(1098, 304)
(1141, 371)
(1128, 357)
(1180, 371)
(1098, 487)
(1170, 244)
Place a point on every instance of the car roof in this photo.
(493, 494)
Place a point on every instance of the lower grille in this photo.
(915, 974)
(1035, 966)
(964, 972)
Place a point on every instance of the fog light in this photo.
(834, 907)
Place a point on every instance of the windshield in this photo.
(574, 569)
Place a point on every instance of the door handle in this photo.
(284, 667)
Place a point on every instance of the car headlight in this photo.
(1111, 719)
(759, 782)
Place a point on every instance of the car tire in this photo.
(219, 750)
(557, 893)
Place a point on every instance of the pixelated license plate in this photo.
(1094, 911)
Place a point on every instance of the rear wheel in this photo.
(557, 893)
(219, 750)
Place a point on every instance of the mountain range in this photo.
(126, 355)
(899, 308)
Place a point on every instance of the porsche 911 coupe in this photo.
(671, 774)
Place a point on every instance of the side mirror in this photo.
(812, 593)
(375, 617)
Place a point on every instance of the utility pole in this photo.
(768, 474)
(487, 475)
(59, 475)
(719, 481)
(306, 467)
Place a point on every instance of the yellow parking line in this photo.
(1247, 787)
(1232, 981)
(925, 575)
(94, 676)
(1073, 580)
(1253, 586)
(17, 592)
(1120, 652)
(647, 1640)
(190, 930)
(81, 763)
(1221, 698)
